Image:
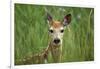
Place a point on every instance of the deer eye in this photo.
(51, 31)
(62, 31)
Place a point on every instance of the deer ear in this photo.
(49, 18)
(67, 20)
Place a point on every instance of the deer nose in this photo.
(56, 41)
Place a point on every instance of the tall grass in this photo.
(31, 31)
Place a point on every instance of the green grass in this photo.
(31, 31)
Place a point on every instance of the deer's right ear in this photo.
(67, 20)
(49, 18)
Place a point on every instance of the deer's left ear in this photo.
(49, 18)
(67, 20)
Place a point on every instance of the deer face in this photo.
(56, 28)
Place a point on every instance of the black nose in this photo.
(56, 41)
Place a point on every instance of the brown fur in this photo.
(56, 24)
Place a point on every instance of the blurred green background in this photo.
(31, 31)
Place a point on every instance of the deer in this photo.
(56, 31)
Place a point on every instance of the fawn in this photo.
(56, 31)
